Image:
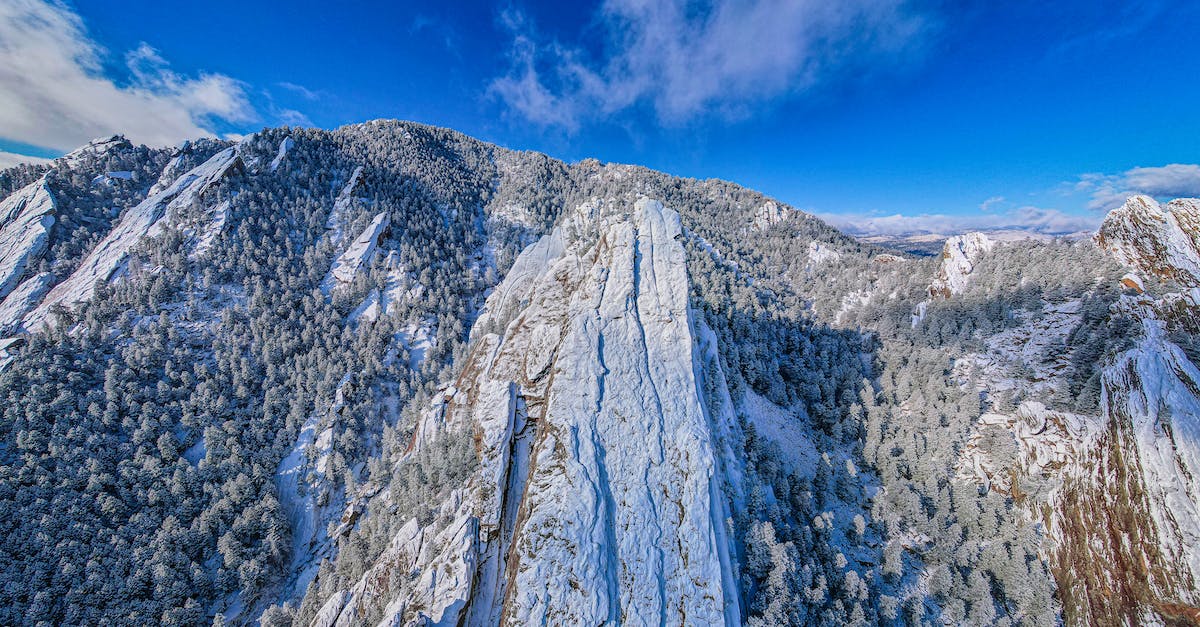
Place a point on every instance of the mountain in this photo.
(391, 375)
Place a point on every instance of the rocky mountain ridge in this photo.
(488, 387)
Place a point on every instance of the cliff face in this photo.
(596, 498)
(1119, 492)
(1158, 239)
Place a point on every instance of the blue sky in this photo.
(947, 114)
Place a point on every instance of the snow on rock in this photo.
(1153, 390)
(96, 146)
(299, 482)
(1049, 446)
(819, 253)
(109, 177)
(1034, 348)
(959, 256)
(1157, 239)
(25, 221)
(632, 526)
(24, 298)
(563, 522)
(1117, 493)
(918, 313)
(770, 214)
(109, 256)
(340, 216)
(1133, 282)
(284, 147)
(210, 229)
(359, 254)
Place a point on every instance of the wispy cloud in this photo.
(300, 90)
(1028, 218)
(9, 159)
(292, 117)
(54, 92)
(991, 203)
(684, 60)
(1108, 191)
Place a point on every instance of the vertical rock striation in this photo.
(596, 498)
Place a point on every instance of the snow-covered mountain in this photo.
(391, 375)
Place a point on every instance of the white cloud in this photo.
(1108, 191)
(9, 159)
(292, 117)
(991, 203)
(687, 60)
(53, 91)
(300, 90)
(1032, 219)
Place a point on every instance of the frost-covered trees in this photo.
(142, 432)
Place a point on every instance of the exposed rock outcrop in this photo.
(25, 221)
(1157, 239)
(567, 520)
(959, 256)
(1119, 493)
(108, 257)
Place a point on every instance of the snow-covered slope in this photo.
(714, 416)
(108, 257)
(564, 522)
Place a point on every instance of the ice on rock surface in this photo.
(563, 522)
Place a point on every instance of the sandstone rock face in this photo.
(596, 499)
(770, 214)
(25, 221)
(959, 256)
(108, 257)
(359, 254)
(1119, 492)
(1158, 239)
